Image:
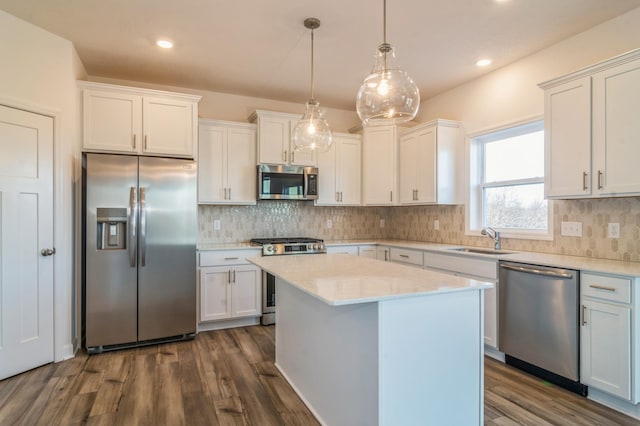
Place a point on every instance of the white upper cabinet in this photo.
(226, 162)
(340, 172)
(274, 139)
(430, 158)
(591, 130)
(138, 121)
(379, 166)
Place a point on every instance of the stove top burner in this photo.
(289, 245)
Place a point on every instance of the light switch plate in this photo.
(381, 223)
(329, 223)
(613, 230)
(216, 225)
(571, 229)
(436, 224)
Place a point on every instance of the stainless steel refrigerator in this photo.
(139, 266)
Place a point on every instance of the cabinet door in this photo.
(241, 166)
(246, 291)
(211, 164)
(408, 183)
(427, 166)
(215, 293)
(567, 123)
(379, 165)
(273, 140)
(112, 122)
(168, 127)
(382, 253)
(327, 172)
(606, 348)
(349, 171)
(300, 158)
(616, 102)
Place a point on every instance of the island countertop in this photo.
(340, 279)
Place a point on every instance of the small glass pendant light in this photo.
(312, 132)
(388, 95)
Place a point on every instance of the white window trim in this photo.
(474, 186)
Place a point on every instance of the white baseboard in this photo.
(492, 352)
(232, 323)
(614, 403)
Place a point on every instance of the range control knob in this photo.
(315, 246)
(269, 249)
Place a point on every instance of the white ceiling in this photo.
(260, 48)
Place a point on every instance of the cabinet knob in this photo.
(48, 252)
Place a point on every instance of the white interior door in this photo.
(26, 230)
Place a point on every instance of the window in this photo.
(507, 182)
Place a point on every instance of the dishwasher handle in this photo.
(535, 271)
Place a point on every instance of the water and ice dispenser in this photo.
(111, 228)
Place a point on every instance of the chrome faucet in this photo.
(493, 234)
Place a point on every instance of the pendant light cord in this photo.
(312, 85)
(384, 21)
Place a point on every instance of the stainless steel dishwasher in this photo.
(538, 322)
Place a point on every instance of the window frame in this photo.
(475, 203)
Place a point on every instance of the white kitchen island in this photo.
(365, 342)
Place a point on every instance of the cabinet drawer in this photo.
(462, 264)
(406, 256)
(353, 250)
(605, 287)
(226, 257)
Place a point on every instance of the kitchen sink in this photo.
(480, 251)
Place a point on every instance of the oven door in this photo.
(268, 299)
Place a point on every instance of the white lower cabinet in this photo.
(383, 253)
(353, 250)
(406, 256)
(230, 287)
(475, 268)
(368, 251)
(606, 335)
(230, 292)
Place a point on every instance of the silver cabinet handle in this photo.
(229, 276)
(293, 156)
(404, 255)
(584, 181)
(234, 275)
(284, 156)
(48, 252)
(133, 225)
(229, 194)
(536, 271)
(391, 196)
(231, 258)
(143, 227)
(145, 142)
(600, 179)
(584, 315)
(133, 141)
(600, 287)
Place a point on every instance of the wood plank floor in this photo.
(227, 377)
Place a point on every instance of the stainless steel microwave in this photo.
(280, 182)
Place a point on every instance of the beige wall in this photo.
(224, 106)
(504, 96)
(38, 73)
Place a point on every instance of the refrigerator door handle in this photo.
(143, 227)
(133, 225)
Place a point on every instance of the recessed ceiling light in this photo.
(483, 62)
(165, 44)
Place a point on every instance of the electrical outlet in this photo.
(571, 229)
(329, 223)
(216, 225)
(436, 224)
(381, 223)
(613, 230)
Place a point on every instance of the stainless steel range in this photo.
(278, 247)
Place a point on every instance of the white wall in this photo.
(511, 94)
(38, 73)
(224, 106)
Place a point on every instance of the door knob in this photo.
(48, 252)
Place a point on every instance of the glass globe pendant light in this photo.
(312, 132)
(388, 95)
